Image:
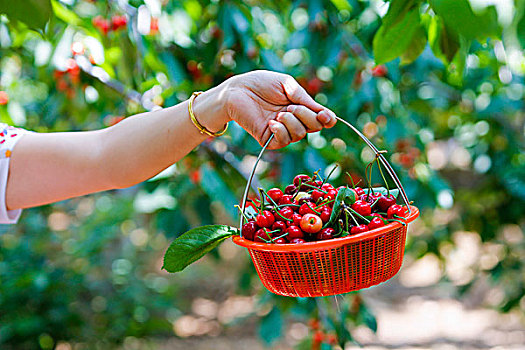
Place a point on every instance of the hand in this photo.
(264, 102)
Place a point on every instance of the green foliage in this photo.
(271, 326)
(33, 13)
(449, 112)
(194, 244)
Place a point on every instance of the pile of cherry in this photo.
(311, 209)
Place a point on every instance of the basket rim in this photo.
(328, 244)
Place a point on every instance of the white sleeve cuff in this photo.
(6, 216)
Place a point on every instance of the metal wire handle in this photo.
(379, 155)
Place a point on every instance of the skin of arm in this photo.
(49, 167)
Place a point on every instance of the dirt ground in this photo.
(413, 313)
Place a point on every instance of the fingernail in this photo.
(290, 108)
(272, 125)
(324, 117)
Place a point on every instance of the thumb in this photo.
(297, 95)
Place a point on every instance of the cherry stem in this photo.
(401, 222)
(377, 200)
(325, 203)
(351, 179)
(275, 205)
(353, 217)
(242, 213)
(369, 178)
(261, 194)
(359, 215)
(315, 211)
(330, 174)
(382, 175)
(298, 188)
(281, 236)
(288, 205)
(317, 188)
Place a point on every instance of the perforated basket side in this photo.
(331, 271)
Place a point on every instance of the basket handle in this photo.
(379, 155)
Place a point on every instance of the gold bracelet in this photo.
(198, 125)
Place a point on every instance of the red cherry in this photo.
(361, 207)
(359, 191)
(375, 223)
(327, 187)
(367, 198)
(305, 208)
(385, 202)
(316, 195)
(297, 241)
(379, 70)
(265, 219)
(285, 199)
(311, 223)
(296, 219)
(331, 194)
(101, 23)
(326, 233)
(314, 85)
(118, 21)
(396, 209)
(279, 225)
(294, 232)
(280, 241)
(249, 229)
(261, 235)
(287, 212)
(4, 98)
(301, 178)
(290, 189)
(325, 215)
(358, 229)
(319, 183)
(275, 194)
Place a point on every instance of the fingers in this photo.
(296, 94)
(281, 138)
(313, 121)
(293, 126)
(306, 116)
(327, 118)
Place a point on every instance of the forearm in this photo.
(50, 167)
(143, 145)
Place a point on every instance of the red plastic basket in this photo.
(330, 267)
(334, 266)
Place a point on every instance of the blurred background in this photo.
(438, 84)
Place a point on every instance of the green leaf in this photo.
(459, 18)
(270, 328)
(194, 244)
(396, 32)
(521, 29)
(65, 14)
(342, 5)
(34, 13)
(443, 42)
(346, 195)
(394, 192)
(416, 46)
(368, 318)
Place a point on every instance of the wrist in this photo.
(210, 109)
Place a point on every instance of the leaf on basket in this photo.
(384, 191)
(345, 195)
(194, 244)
